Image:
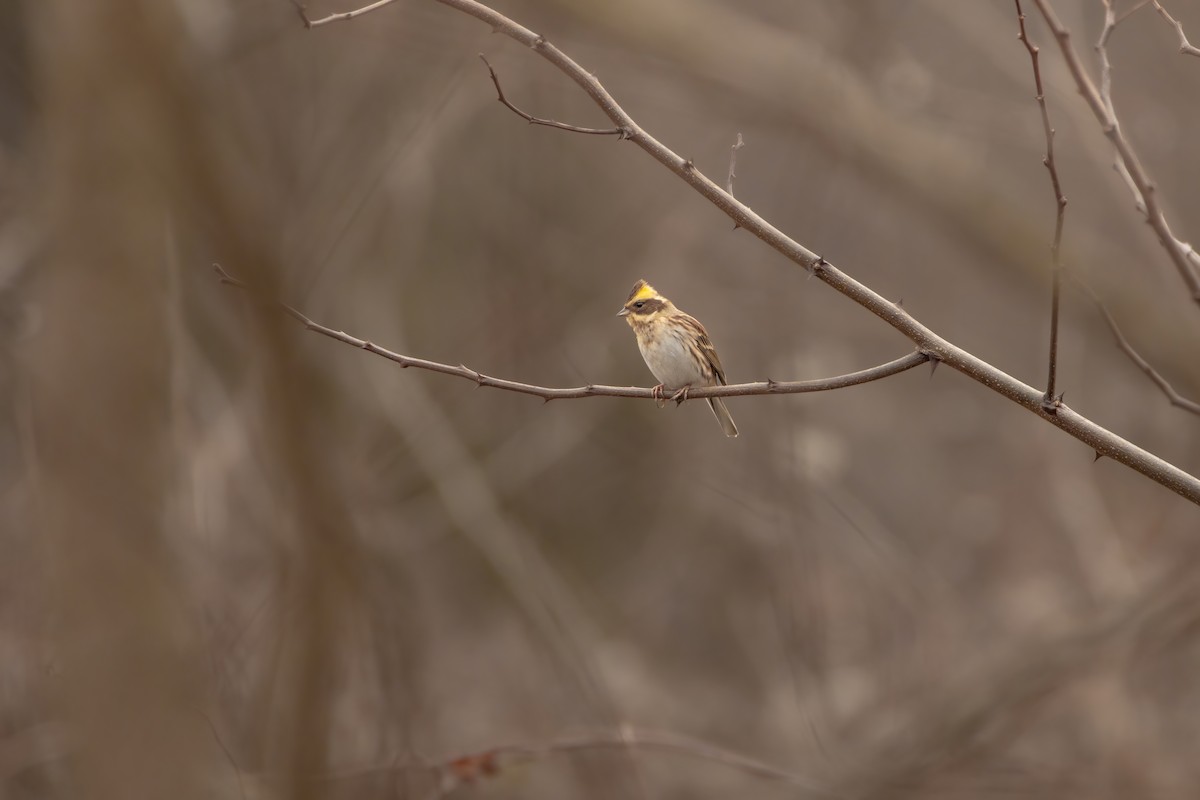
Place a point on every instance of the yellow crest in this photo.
(642, 291)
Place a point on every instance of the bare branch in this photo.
(1182, 254)
(1049, 401)
(768, 386)
(532, 120)
(1175, 398)
(1096, 437)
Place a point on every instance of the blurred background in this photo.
(238, 559)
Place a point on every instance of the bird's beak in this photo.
(624, 312)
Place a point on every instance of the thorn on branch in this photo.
(1097, 457)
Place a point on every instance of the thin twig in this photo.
(314, 23)
(1049, 401)
(1182, 255)
(1129, 12)
(732, 165)
(738, 145)
(547, 393)
(1185, 47)
(532, 120)
(1173, 396)
(1098, 438)
(212, 726)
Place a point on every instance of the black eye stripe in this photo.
(648, 306)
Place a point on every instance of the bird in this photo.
(676, 348)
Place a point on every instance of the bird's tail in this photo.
(722, 414)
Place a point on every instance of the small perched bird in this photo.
(676, 349)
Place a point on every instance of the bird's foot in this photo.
(658, 394)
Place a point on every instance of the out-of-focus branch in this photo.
(1175, 398)
(1060, 205)
(1182, 254)
(1185, 47)
(346, 15)
(548, 393)
(993, 707)
(1103, 441)
(469, 768)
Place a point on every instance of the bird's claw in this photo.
(658, 395)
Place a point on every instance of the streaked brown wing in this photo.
(706, 347)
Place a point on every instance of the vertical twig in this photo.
(1049, 401)
(738, 145)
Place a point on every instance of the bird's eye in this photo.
(639, 304)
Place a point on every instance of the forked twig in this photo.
(1182, 254)
(532, 120)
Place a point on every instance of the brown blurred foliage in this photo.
(239, 560)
